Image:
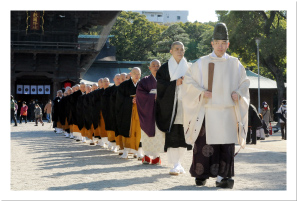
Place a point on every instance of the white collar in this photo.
(136, 82)
(154, 77)
(225, 56)
(177, 70)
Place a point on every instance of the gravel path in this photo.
(43, 160)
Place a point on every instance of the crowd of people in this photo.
(31, 113)
(177, 108)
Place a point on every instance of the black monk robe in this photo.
(124, 106)
(80, 112)
(96, 103)
(56, 109)
(87, 115)
(106, 107)
(113, 98)
(73, 104)
(164, 108)
(165, 98)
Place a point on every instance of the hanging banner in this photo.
(40, 89)
(26, 89)
(20, 89)
(33, 89)
(47, 89)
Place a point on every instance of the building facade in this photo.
(165, 16)
(46, 53)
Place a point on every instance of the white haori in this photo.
(219, 111)
(153, 145)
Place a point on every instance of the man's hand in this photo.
(234, 96)
(179, 81)
(134, 100)
(207, 94)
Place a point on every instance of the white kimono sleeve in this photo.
(192, 93)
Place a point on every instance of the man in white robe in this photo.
(215, 113)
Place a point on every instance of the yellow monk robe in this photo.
(59, 125)
(66, 126)
(89, 133)
(111, 135)
(119, 141)
(132, 142)
(75, 128)
(103, 132)
(83, 132)
(97, 131)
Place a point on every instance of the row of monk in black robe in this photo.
(128, 115)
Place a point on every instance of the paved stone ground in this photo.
(44, 160)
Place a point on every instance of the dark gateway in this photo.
(45, 52)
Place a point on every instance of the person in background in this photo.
(38, 115)
(16, 107)
(23, 113)
(48, 111)
(254, 121)
(282, 114)
(31, 110)
(12, 110)
(265, 111)
(262, 130)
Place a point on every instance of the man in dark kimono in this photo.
(169, 106)
(73, 116)
(127, 116)
(56, 110)
(118, 138)
(107, 114)
(96, 112)
(152, 138)
(80, 112)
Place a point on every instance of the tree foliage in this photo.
(269, 26)
(134, 36)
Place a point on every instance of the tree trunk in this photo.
(278, 74)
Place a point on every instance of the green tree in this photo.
(173, 33)
(134, 36)
(199, 42)
(270, 26)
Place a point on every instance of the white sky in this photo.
(203, 15)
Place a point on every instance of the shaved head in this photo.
(106, 83)
(117, 79)
(123, 77)
(135, 74)
(100, 83)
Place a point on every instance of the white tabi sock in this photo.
(219, 178)
(140, 153)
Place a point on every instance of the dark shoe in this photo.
(262, 138)
(42, 124)
(200, 182)
(77, 140)
(225, 183)
(258, 138)
(35, 125)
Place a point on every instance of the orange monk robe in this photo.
(133, 141)
(103, 132)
